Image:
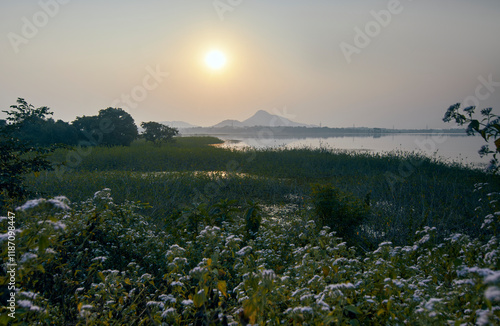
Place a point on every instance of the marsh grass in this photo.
(407, 190)
(191, 234)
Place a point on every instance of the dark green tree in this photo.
(35, 127)
(123, 131)
(88, 130)
(47, 132)
(61, 132)
(111, 127)
(158, 133)
(19, 157)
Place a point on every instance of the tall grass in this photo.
(407, 190)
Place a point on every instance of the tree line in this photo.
(29, 134)
(110, 127)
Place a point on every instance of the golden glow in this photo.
(215, 59)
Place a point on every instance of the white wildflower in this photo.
(146, 277)
(244, 251)
(28, 304)
(170, 312)
(155, 304)
(102, 259)
(27, 256)
(492, 293)
(167, 298)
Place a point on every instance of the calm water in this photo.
(450, 147)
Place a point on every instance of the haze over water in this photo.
(449, 147)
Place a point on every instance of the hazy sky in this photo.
(339, 63)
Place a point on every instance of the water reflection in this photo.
(448, 147)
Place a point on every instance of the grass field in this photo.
(190, 233)
(407, 191)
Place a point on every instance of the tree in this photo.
(111, 127)
(157, 133)
(25, 112)
(124, 130)
(87, 128)
(488, 127)
(33, 126)
(61, 132)
(17, 156)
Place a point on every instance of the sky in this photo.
(337, 63)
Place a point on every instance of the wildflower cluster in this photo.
(99, 262)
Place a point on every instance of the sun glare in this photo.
(215, 60)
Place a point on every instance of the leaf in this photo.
(199, 299)
(209, 261)
(353, 309)
(326, 270)
(80, 305)
(380, 312)
(127, 281)
(497, 144)
(101, 276)
(222, 286)
(474, 125)
(43, 243)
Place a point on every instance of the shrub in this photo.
(341, 211)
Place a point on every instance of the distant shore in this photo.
(302, 132)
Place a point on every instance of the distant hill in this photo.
(178, 124)
(263, 119)
(229, 123)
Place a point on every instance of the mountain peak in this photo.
(262, 112)
(266, 119)
(261, 118)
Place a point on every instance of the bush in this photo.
(341, 211)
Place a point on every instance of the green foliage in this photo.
(223, 211)
(488, 127)
(33, 126)
(170, 177)
(19, 157)
(339, 210)
(253, 218)
(24, 113)
(98, 262)
(158, 133)
(111, 127)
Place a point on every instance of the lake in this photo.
(450, 147)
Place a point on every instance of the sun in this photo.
(215, 59)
